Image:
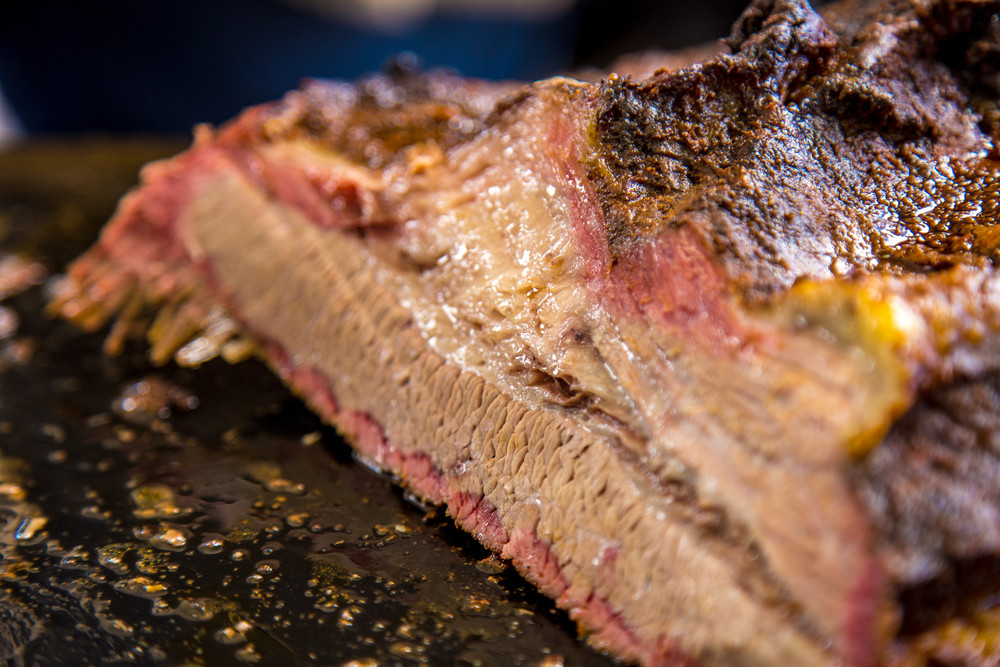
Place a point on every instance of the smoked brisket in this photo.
(711, 355)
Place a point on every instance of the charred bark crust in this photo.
(933, 489)
(373, 121)
(808, 153)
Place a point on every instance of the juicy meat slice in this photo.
(679, 347)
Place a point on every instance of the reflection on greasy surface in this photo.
(160, 515)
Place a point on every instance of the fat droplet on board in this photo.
(29, 528)
(248, 654)
(141, 587)
(171, 538)
(211, 544)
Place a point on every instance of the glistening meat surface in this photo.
(679, 347)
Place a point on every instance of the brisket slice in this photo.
(712, 356)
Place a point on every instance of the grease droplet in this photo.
(211, 544)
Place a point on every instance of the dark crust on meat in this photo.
(373, 121)
(809, 154)
(933, 488)
(663, 139)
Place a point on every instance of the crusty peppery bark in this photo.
(683, 348)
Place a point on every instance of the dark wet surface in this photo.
(177, 516)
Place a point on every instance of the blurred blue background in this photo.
(160, 67)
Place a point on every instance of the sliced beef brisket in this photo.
(710, 355)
